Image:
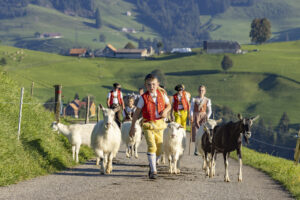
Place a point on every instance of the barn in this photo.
(215, 47)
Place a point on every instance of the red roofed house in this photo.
(78, 52)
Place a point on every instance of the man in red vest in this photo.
(180, 106)
(154, 105)
(115, 100)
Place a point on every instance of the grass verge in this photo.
(281, 170)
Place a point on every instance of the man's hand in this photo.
(164, 114)
(132, 132)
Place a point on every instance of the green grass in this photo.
(40, 19)
(40, 150)
(281, 170)
(249, 93)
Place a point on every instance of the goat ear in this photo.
(240, 116)
(254, 118)
(219, 121)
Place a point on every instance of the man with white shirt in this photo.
(154, 105)
(180, 109)
(200, 111)
(115, 100)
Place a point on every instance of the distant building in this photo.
(215, 47)
(128, 13)
(181, 50)
(78, 52)
(109, 51)
(131, 53)
(51, 35)
(128, 30)
(112, 52)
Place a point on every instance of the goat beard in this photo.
(246, 139)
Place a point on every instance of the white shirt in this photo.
(180, 106)
(115, 100)
(129, 110)
(199, 100)
(141, 103)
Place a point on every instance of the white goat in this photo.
(77, 135)
(174, 144)
(106, 140)
(132, 144)
(204, 144)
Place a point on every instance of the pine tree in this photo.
(283, 125)
(98, 19)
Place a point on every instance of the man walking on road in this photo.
(115, 100)
(154, 105)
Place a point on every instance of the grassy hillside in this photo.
(264, 82)
(40, 150)
(76, 31)
(234, 24)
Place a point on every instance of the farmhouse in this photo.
(110, 51)
(78, 52)
(215, 47)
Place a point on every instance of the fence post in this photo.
(297, 150)
(57, 101)
(20, 112)
(87, 113)
(32, 86)
(98, 113)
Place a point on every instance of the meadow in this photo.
(264, 82)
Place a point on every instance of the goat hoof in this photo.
(177, 171)
(136, 156)
(240, 180)
(227, 179)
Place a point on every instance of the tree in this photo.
(102, 38)
(3, 61)
(98, 19)
(226, 63)
(283, 125)
(260, 30)
(159, 45)
(37, 34)
(129, 45)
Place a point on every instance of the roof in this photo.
(221, 44)
(77, 51)
(111, 47)
(133, 51)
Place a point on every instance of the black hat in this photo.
(116, 85)
(178, 88)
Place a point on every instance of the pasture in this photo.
(264, 82)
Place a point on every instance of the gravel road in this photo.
(129, 181)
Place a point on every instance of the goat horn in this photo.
(255, 118)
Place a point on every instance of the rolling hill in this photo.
(263, 82)
(233, 24)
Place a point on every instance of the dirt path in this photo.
(129, 181)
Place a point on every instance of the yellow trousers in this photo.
(181, 117)
(153, 132)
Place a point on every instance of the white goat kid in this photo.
(106, 140)
(203, 148)
(77, 135)
(132, 144)
(174, 143)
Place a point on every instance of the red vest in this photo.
(149, 106)
(112, 98)
(184, 102)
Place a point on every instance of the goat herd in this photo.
(105, 138)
